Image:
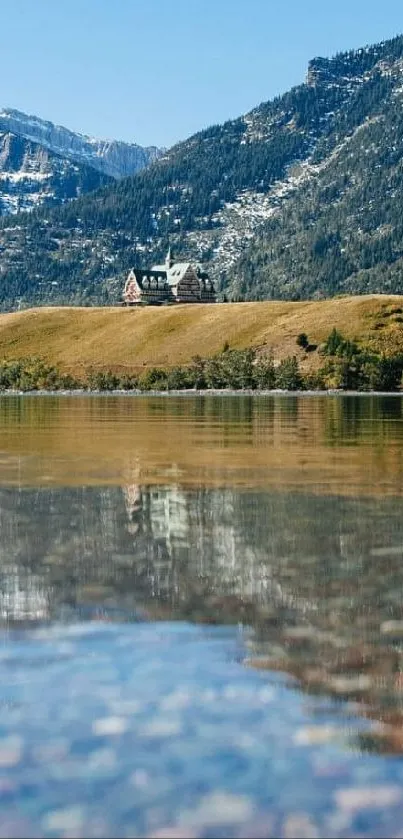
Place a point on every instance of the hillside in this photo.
(300, 198)
(341, 231)
(130, 340)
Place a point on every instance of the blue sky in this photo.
(156, 71)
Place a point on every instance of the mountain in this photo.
(111, 157)
(31, 175)
(300, 198)
(45, 164)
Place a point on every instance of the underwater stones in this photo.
(315, 735)
(10, 751)
(393, 628)
(353, 799)
(350, 684)
(109, 726)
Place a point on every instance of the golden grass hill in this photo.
(172, 282)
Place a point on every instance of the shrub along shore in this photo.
(345, 366)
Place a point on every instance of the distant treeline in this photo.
(346, 366)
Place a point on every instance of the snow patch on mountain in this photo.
(238, 222)
(31, 175)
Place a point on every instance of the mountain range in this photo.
(299, 198)
(43, 163)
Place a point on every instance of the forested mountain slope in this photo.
(341, 231)
(301, 197)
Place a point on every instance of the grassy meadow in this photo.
(130, 340)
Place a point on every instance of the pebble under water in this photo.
(158, 729)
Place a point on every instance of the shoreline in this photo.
(207, 392)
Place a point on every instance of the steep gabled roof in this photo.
(177, 272)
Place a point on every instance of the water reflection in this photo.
(282, 513)
(319, 578)
(347, 445)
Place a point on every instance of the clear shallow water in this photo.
(202, 616)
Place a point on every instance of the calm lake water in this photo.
(201, 606)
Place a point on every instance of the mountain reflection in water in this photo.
(319, 578)
(281, 513)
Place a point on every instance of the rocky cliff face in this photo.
(31, 175)
(111, 157)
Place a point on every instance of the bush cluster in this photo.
(350, 367)
(34, 374)
(346, 367)
(232, 369)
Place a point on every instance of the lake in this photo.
(201, 606)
